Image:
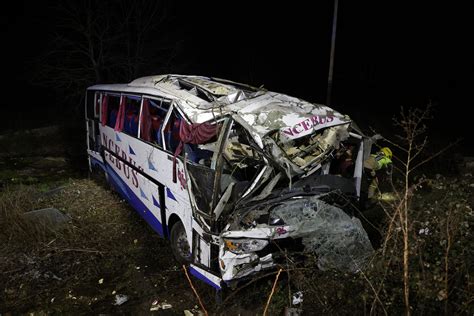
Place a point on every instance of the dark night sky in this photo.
(388, 54)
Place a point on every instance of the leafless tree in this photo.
(99, 41)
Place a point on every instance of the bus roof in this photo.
(204, 98)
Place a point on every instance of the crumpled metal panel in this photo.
(338, 240)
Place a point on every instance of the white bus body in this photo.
(206, 162)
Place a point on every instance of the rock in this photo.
(48, 216)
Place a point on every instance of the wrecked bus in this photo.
(234, 176)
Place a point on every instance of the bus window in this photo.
(171, 132)
(113, 104)
(153, 115)
(90, 108)
(132, 113)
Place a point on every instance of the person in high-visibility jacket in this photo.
(382, 160)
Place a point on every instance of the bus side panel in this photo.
(125, 175)
(140, 201)
(158, 166)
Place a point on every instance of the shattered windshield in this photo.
(233, 164)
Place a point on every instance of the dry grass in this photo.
(102, 240)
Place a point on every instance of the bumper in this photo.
(311, 226)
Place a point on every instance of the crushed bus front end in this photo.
(290, 185)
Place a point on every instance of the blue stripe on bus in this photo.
(151, 166)
(170, 194)
(202, 277)
(155, 202)
(134, 200)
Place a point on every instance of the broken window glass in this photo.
(202, 180)
(242, 160)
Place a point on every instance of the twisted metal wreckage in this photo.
(266, 175)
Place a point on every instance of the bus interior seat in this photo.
(112, 118)
(131, 123)
(195, 154)
(134, 125)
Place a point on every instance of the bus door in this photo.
(93, 100)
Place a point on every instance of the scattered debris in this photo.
(120, 299)
(424, 231)
(166, 305)
(156, 305)
(298, 298)
(193, 312)
(442, 295)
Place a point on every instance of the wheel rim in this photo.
(183, 248)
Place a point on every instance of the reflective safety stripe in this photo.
(382, 161)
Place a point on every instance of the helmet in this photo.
(387, 152)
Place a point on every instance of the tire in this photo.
(179, 244)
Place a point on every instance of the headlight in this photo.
(274, 220)
(240, 246)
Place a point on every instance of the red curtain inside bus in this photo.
(104, 102)
(145, 127)
(121, 115)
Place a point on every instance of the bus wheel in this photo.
(179, 243)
